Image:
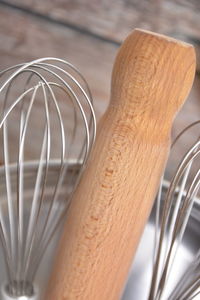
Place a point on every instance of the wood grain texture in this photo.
(152, 75)
(115, 18)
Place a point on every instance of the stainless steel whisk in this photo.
(46, 126)
(174, 210)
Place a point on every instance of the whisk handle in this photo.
(152, 76)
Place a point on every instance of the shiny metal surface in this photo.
(30, 175)
(6, 296)
(140, 274)
(138, 283)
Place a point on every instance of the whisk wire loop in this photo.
(172, 217)
(27, 225)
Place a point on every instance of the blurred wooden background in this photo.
(88, 33)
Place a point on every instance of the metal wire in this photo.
(47, 83)
(172, 216)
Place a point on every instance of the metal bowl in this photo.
(137, 286)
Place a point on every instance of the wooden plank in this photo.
(115, 18)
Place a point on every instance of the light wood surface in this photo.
(152, 75)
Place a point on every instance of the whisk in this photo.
(173, 212)
(47, 125)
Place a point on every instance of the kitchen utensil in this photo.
(48, 119)
(151, 78)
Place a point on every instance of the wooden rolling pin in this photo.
(151, 78)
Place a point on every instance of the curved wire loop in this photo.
(174, 209)
(47, 119)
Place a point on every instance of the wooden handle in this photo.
(151, 78)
